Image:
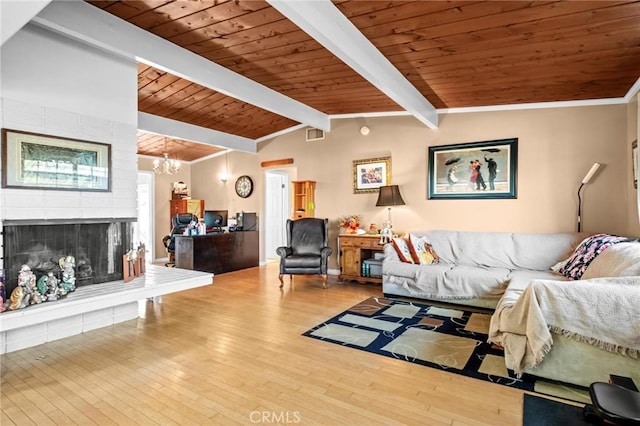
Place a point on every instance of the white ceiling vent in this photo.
(314, 134)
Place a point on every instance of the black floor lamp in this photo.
(592, 171)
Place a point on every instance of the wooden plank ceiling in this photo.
(156, 146)
(456, 53)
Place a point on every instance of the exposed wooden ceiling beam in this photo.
(323, 21)
(91, 25)
(178, 129)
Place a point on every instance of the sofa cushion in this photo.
(520, 279)
(502, 249)
(302, 261)
(586, 252)
(619, 260)
(448, 281)
(402, 248)
(421, 251)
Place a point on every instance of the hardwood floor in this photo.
(232, 353)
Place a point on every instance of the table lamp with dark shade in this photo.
(388, 196)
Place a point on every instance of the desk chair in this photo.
(179, 223)
(613, 404)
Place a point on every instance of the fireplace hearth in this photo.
(97, 245)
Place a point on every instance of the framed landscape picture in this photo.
(371, 174)
(479, 170)
(36, 161)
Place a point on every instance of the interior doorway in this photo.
(276, 211)
(143, 230)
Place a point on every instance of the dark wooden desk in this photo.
(218, 253)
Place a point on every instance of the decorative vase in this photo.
(141, 263)
(128, 269)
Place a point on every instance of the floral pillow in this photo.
(421, 251)
(402, 248)
(587, 250)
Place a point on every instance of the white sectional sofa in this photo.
(475, 268)
(510, 272)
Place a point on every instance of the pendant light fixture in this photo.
(166, 166)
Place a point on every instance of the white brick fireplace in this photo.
(52, 85)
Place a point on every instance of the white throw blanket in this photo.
(604, 312)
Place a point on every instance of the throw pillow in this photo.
(402, 248)
(421, 251)
(558, 266)
(619, 260)
(586, 251)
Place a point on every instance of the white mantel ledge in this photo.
(157, 281)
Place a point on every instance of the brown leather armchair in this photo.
(307, 250)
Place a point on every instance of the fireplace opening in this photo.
(97, 247)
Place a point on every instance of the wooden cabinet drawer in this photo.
(346, 242)
(375, 244)
(362, 242)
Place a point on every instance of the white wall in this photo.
(556, 148)
(56, 86)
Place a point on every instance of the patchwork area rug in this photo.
(545, 412)
(445, 338)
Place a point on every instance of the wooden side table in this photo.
(353, 251)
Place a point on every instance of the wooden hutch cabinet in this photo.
(304, 203)
(354, 250)
(186, 205)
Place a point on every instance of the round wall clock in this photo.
(244, 186)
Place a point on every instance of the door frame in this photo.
(270, 222)
(151, 245)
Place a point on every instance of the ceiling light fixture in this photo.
(166, 166)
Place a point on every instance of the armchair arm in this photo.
(325, 252)
(284, 251)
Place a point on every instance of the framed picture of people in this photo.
(371, 174)
(479, 170)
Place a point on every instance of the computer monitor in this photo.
(246, 221)
(214, 219)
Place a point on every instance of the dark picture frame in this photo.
(370, 174)
(453, 170)
(38, 161)
(634, 162)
